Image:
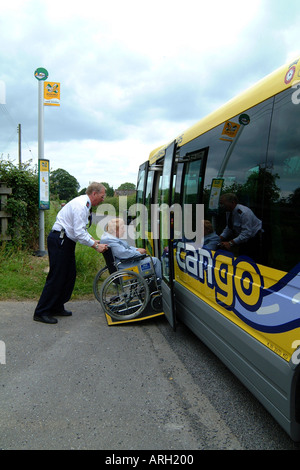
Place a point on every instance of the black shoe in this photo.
(45, 319)
(62, 313)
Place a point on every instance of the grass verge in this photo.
(22, 275)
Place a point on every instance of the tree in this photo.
(126, 186)
(64, 185)
(109, 190)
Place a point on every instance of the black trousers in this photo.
(61, 277)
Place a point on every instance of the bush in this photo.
(23, 226)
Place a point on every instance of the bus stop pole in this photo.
(41, 251)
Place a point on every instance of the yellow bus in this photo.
(245, 308)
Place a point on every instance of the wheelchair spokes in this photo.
(100, 277)
(124, 294)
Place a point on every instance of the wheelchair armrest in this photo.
(140, 257)
(133, 259)
(112, 264)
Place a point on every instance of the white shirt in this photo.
(73, 217)
(245, 225)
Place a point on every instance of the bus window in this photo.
(242, 164)
(165, 216)
(192, 190)
(148, 202)
(284, 189)
(248, 158)
(177, 194)
(141, 185)
(140, 192)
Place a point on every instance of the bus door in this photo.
(140, 201)
(147, 219)
(151, 213)
(166, 235)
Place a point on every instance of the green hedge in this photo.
(22, 204)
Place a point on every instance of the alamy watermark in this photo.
(296, 93)
(166, 222)
(2, 353)
(296, 354)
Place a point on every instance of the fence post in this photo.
(4, 191)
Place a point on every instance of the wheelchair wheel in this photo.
(98, 281)
(124, 295)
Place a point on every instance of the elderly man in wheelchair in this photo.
(134, 277)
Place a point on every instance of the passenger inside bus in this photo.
(211, 239)
(121, 250)
(243, 229)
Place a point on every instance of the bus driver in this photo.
(243, 228)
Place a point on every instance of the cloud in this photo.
(133, 75)
(114, 162)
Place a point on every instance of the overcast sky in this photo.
(133, 74)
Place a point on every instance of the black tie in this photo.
(90, 218)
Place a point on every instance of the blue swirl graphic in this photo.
(280, 306)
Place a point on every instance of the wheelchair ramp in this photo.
(147, 314)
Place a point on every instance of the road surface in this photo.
(81, 384)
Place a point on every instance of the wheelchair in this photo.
(128, 294)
